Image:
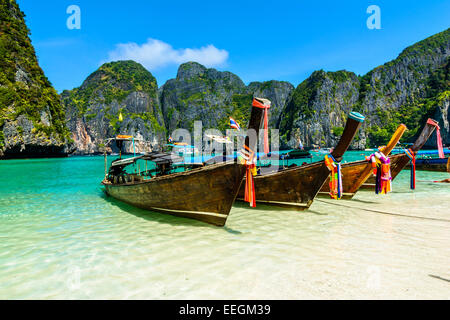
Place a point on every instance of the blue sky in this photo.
(257, 40)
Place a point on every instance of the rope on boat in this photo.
(438, 137)
(384, 212)
(412, 156)
(431, 181)
(335, 177)
(381, 166)
(247, 158)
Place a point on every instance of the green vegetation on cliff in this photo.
(408, 90)
(205, 94)
(24, 89)
(239, 110)
(318, 107)
(114, 81)
(123, 88)
(305, 94)
(430, 83)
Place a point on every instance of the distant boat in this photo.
(185, 150)
(204, 192)
(219, 139)
(428, 160)
(297, 154)
(322, 150)
(182, 149)
(432, 164)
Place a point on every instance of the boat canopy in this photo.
(122, 138)
(156, 157)
(162, 157)
(125, 162)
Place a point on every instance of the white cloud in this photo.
(155, 54)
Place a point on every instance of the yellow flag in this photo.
(120, 116)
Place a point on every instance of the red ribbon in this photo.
(249, 183)
(438, 137)
(258, 104)
(250, 186)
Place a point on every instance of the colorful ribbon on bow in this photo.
(335, 177)
(248, 157)
(258, 104)
(438, 137)
(382, 170)
(412, 156)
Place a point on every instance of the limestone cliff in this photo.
(318, 108)
(198, 93)
(278, 92)
(31, 116)
(406, 90)
(123, 88)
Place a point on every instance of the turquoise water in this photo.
(61, 238)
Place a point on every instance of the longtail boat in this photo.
(355, 174)
(296, 187)
(205, 193)
(401, 160)
(428, 161)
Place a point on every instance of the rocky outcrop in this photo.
(197, 93)
(278, 92)
(119, 98)
(405, 90)
(208, 95)
(318, 108)
(32, 120)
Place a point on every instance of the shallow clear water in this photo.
(60, 237)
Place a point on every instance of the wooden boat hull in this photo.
(398, 163)
(401, 160)
(355, 174)
(435, 164)
(293, 188)
(204, 194)
(296, 187)
(352, 172)
(358, 175)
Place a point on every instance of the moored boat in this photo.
(355, 174)
(429, 161)
(297, 186)
(297, 154)
(205, 193)
(401, 160)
